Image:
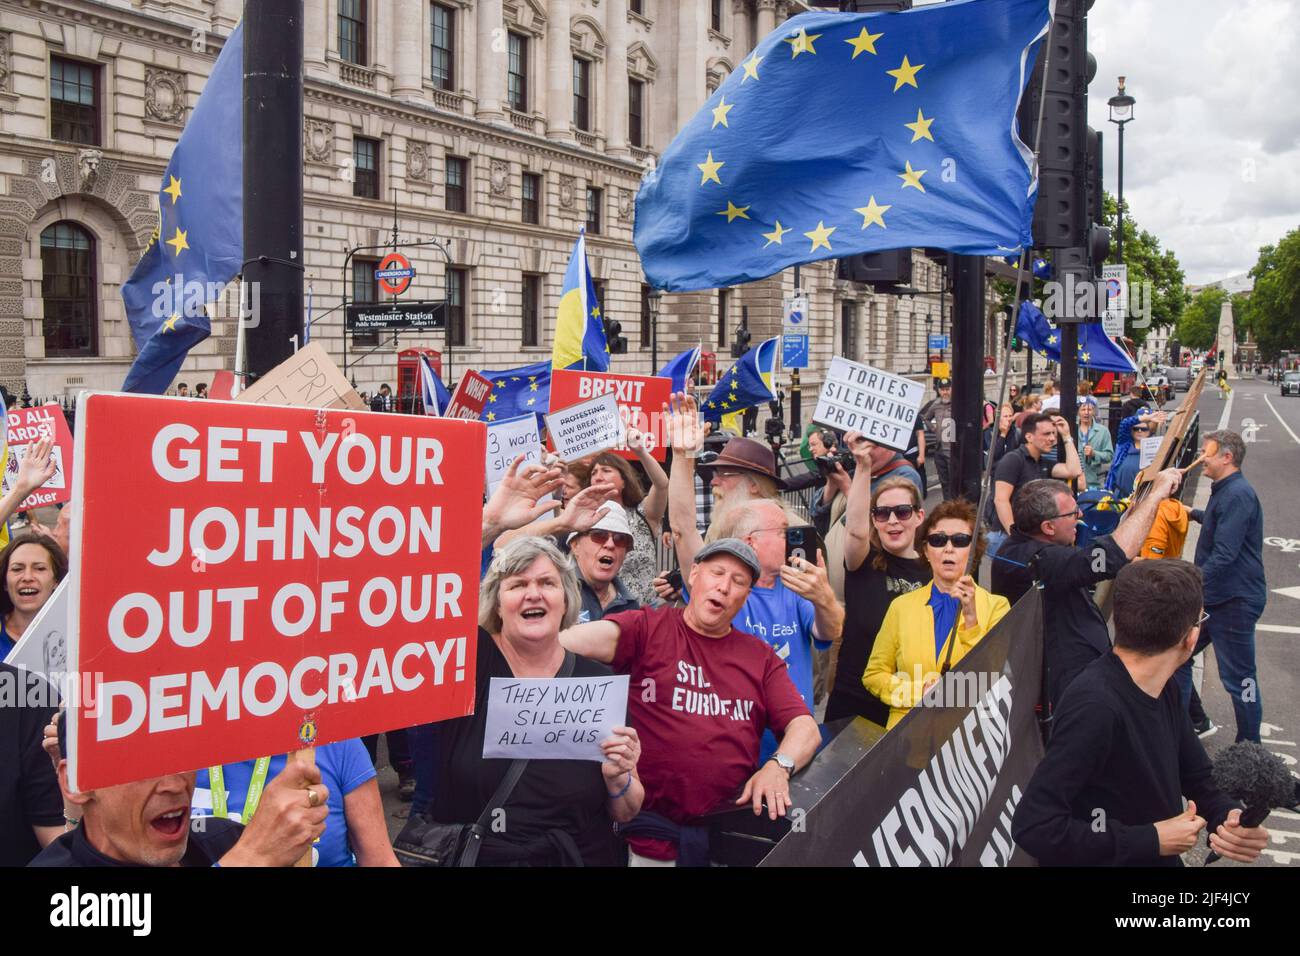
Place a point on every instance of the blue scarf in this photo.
(945, 608)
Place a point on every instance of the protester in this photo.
(31, 807)
(1137, 401)
(201, 390)
(1109, 791)
(1013, 396)
(1041, 550)
(1229, 553)
(1221, 380)
(559, 812)
(1050, 398)
(791, 606)
(1040, 434)
(356, 833)
(383, 400)
(600, 553)
(1031, 405)
(930, 629)
(32, 566)
(703, 692)
(834, 481)
(1095, 441)
(182, 390)
(938, 418)
(645, 512)
(881, 561)
(577, 475)
(1008, 438)
(1124, 466)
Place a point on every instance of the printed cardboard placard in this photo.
(641, 399)
(43, 648)
(470, 396)
(26, 425)
(559, 718)
(299, 576)
(1150, 448)
(857, 397)
(307, 379)
(586, 428)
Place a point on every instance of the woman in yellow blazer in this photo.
(917, 636)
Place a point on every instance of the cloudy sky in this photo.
(1212, 157)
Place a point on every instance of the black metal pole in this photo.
(968, 372)
(1119, 202)
(796, 390)
(273, 54)
(1070, 375)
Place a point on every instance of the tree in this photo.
(1272, 312)
(1198, 326)
(1147, 263)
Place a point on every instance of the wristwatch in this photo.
(784, 762)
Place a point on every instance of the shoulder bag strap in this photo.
(502, 793)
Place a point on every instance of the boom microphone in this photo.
(1258, 778)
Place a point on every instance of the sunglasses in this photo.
(600, 536)
(938, 539)
(882, 513)
(1140, 430)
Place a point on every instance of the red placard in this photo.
(640, 398)
(26, 425)
(249, 579)
(470, 396)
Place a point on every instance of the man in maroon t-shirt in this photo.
(701, 695)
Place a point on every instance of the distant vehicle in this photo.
(1180, 379)
(1291, 383)
(1160, 385)
(1195, 368)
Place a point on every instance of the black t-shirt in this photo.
(1074, 630)
(210, 839)
(867, 595)
(565, 795)
(1121, 757)
(1018, 469)
(29, 788)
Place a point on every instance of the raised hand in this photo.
(682, 421)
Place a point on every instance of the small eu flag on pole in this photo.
(199, 246)
(746, 384)
(850, 133)
(518, 391)
(1097, 350)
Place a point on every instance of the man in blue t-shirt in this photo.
(791, 606)
(344, 766)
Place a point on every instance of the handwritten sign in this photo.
(586, 428)
(506, 441)
(641, 399)
(560, 718)
(307, 379)
(856, 397)
(1150, 448)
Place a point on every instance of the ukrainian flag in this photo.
(579, 332)
(746, 384)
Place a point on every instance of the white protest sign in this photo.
(506, 441)
(586, 428)
(1150, 448)
(560, 718)
(43, 648)
(856, 397)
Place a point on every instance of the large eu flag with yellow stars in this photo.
(843, 134)
(199, 246)
(1096, 350)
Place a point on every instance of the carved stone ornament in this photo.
(164, 96)
(625, 204)
(566, 192)
(417, 162)
(318, 140)
(88, 166)
(499, 177)
(6, 68)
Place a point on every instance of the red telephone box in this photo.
(708, 368)
(410, 395)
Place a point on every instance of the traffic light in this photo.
(740, 345)
(1061, 211)
(617, 342)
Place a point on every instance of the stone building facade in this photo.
(497, 127)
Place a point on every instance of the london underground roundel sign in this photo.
(394, 273)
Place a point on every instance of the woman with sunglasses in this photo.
(645, 510)
(1128, 451)
(928, 631)
(880, 563)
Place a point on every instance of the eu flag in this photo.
(199, 245)
(1097, 350)
(843, 134)
(680, 367)
(745, 384)
(518, 391)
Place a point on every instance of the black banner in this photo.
(423, 316)
(941, 787)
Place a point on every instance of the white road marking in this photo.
(1288, 592)
(1279, 418)
(1277, 629)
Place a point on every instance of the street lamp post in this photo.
(1121, 114)
(656, 298)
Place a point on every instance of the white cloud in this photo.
(1212, 158)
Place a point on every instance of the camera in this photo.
(774, 428)
(826, 463)
(675, 580)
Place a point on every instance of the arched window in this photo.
(68, 288)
